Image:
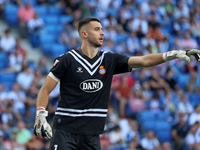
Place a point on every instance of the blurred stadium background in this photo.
(153, 108)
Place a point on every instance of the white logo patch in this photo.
(91, 85)
(79, 70)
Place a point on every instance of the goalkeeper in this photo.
(85, 76)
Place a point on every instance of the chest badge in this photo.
(79, 70)
(102, 71)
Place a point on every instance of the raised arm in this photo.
(156, 59)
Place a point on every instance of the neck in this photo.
(89, 50)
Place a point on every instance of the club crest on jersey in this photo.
(102, 71)
(55, 62)
(91, 85)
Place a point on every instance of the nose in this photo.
(102, 33)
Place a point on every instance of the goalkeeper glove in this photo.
(182, 54)
(41, 127)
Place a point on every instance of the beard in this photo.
(94, 42)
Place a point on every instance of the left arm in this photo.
(145, 61)
(156, 59)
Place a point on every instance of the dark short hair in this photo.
(85, 21)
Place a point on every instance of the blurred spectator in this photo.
(170, 80)
(125, 126)
(35, 24)
(1, 141)
(185, 107)
(18, 47)
(42, 65)
(25, 13)
(190, 140)
(179, 132)
(136, 102)
(34, 143)
(116, 136)
(169, 7)
(155, 103)
(112, 118)
(133, 43)
(17, 96)
(187, 42)
(193, 84)
(157, 82)
(110, 20)
(195, 115)
(25, 78)
(20, 136)
(181, 11)
(123, 93)
(195, 29)
(134, 144)
(28, 118)
(133, 132)
(169, 104)
(147, 40)
(166, 146)
(8, 117)
(139, 24)
(110, 33)
(15, 62)
(150, 142)
(64, 37)
(105, 141)
(71, 6)
(7, 43)
(180, 26)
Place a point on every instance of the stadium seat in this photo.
(164, 136)
(182, 79)
(57, 50)
(10, 13)
(51, 20)
(54, 10)
(46, 48)
(149, 125)
(8, 84)
(41, 10)
(4, 60)
(146, 116)
(10, 10)
(162, 116)
(47, 38)
(11, 77)
(66, 19)
(162, 126)
(51, 29)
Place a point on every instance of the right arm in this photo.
(47, 87)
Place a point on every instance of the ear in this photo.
(84, 34)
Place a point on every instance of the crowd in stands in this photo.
(155, 108)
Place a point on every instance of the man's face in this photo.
(95, 34)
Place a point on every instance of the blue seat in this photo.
(46, 48)
(4, 60)
(149, 125)
(54, 10)
(50, 29)
(47, 38)
(51, 20)
(66, 19)
(41, 10)
(146, 116)
(182, 79)
(162, 116)
(164, 136)
(162, 126)
(10, 77)
(10, 10)
(8, 84)
(57, 50)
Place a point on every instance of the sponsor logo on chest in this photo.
(91, 85)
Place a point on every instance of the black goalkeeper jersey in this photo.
(84, 89)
